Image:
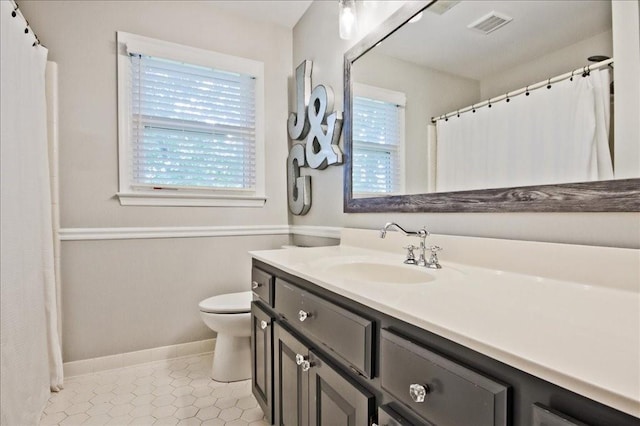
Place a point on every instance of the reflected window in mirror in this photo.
(378, 141)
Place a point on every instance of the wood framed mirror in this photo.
(369, 66)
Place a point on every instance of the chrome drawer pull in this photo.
(302, 315)
(255, 284)
(418, 392)
(263, 324)
(306, 365)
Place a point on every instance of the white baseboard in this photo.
(128, 359)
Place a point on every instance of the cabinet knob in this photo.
(263, 324)
(300, 359)
(302, 315)
(418, 392)
(306, 365)
(255, 284)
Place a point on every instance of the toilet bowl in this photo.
(230, 316)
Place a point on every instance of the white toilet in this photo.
(230, 316)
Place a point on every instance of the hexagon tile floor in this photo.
(172, 392)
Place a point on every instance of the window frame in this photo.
(130, 194)
(399, 99)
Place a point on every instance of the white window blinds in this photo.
(192, 127)
(377, 138)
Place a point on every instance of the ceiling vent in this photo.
(490, 22)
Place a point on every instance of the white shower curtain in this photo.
(555, 135)
(29, 345)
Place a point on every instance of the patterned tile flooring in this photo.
(172, 392)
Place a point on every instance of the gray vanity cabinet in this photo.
(262, 358)
(336, 362)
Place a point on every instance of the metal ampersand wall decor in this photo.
(315, 122)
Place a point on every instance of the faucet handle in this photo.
(433, 262)
(411, 257)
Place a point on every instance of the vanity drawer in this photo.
(453, 394)
(544, 416)
(262, 285)
(347, 335)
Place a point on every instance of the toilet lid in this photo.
(230, 303)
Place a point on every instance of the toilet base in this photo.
(231, 359)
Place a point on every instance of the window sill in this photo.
(189, 200)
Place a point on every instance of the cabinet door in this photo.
(334, 400)
(291, 382)
(262, 358)
(388, 417)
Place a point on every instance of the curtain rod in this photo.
(16, 11)
(584, 71)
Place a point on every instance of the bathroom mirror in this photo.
(425, 64)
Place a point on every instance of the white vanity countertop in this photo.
(582, 336)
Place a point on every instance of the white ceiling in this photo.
(443, 42)
(281, 12)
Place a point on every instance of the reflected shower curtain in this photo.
(555, 135)
(29, 345)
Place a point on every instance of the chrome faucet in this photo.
(422, 234)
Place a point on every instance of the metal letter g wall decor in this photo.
(315, 121)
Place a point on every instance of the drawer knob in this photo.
(255, 285)
(418, 392)
(300, 359)
(263, 324)
(302, 315)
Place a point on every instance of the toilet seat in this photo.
(230, 303)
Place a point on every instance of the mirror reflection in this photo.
(486, 94)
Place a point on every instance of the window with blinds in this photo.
(190, 125)
(377, 145)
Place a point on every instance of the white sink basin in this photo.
(381, 273)
(369, 269)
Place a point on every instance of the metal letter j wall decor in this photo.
(315, 121)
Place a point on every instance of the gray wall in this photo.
(125, 295)
(315, 39)
(132, 294)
